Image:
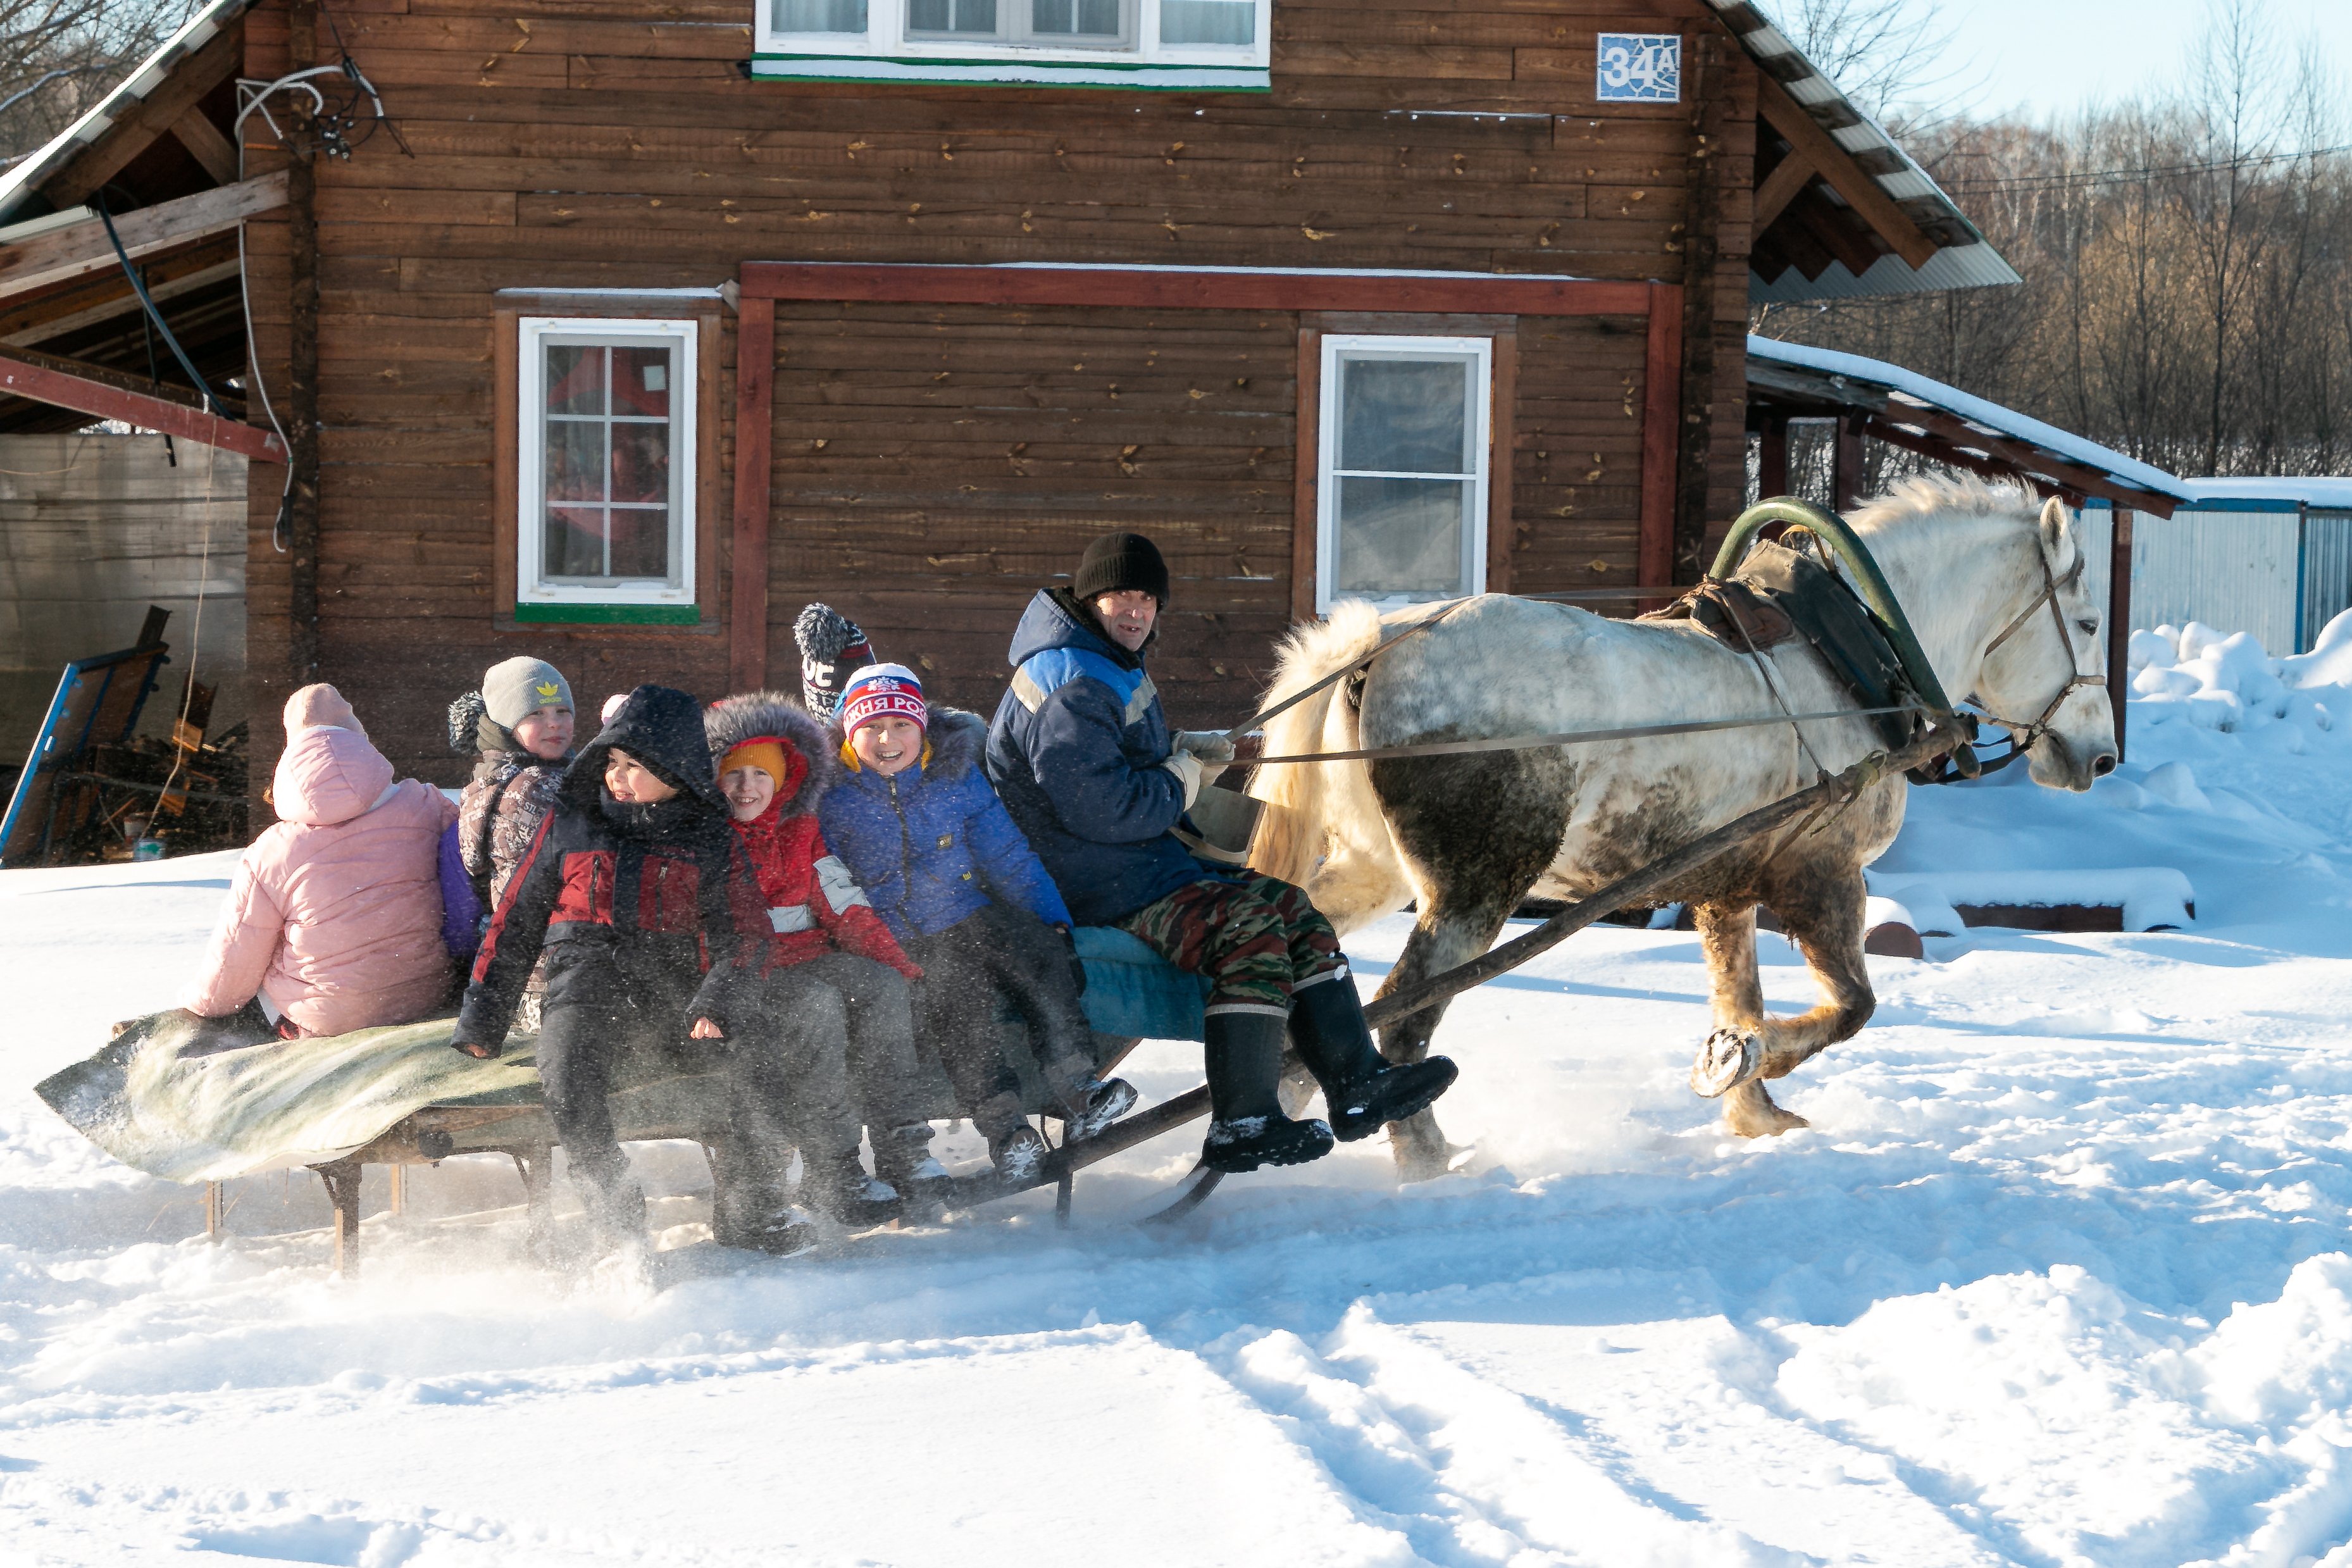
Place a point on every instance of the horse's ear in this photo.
(2055, 522)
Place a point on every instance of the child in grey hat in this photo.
(521, 723)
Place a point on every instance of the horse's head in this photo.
(2044, 664)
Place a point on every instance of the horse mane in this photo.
(1923, 496)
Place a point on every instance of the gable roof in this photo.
(1846, 201)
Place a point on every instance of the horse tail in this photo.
(1323, 828)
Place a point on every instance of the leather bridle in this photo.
(2023, 737)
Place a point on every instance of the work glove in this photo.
(1211, 747)
(1187, 769)
(1077, 967)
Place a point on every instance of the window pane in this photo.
(575, 459)
(1401, 537)
(952, 15)
(1208, 21)
(1405, 415)
(575, 379)
(641, 463)
(575, 541)
(820, 15)
(1081, 18)
(641, 542)
(641, 380)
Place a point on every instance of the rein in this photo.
(2034, 732)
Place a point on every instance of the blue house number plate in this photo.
(1640, 67)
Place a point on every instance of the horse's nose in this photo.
(2103, 765)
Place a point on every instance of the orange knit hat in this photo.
(762, 752)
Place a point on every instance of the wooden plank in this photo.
(206, 144)
(506, 501)
(755, 384)
(1792, 174)
(1660, 401)
(1708, 74)
(302, 379)
(1296, 291)
(83, 247)
(1863, 193)
(1306, 520)
(188, 84)
(20, 376)
(1501, 534)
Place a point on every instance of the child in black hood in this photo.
(634, 888)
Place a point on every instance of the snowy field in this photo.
(2058, 1276)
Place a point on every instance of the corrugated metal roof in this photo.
(1963, 258)
(199, 30)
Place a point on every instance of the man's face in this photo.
(1128, 615)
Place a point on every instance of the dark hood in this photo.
(1056, 618)
(659, 726)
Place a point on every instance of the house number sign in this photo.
(1640, 67)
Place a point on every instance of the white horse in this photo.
(1468, 837)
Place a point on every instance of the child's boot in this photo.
(843, 1190)
(1246, 1126)
(902, 1159)
(1088, 1104)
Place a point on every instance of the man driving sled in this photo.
(1083, 758)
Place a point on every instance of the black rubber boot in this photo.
(1246, 1126)
(1363, 1090)
(842, 1189)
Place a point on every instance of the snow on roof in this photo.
(2328, 492)
(1918, 389)
(1963, 257)
(153, 71)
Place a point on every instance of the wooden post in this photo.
(1695, 445)
(1845, 465)
(755, 383)
(1306, 520)
(396, 1176)
(302, 359)
(1501, 536)
(1772, 458)
(342, 1181)
(1660, 397)
(213, 1212)
(2119, 574)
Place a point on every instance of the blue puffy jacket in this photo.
(1074, 753)
(931, 845)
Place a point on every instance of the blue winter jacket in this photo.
(932, 846)
(1074, 753)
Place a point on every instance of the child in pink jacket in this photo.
(333, 918)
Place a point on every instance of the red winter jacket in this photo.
(814, 903)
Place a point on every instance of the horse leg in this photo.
(1727, 933)
(1823, 916)
(1470, 868)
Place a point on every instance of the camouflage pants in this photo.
(1257, 940)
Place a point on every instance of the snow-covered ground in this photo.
(2058, 1276)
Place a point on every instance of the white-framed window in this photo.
(605, 479)
(1402, 490)
(1177, 45)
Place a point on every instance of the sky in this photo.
(2057, 56)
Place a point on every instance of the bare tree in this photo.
(60, 57)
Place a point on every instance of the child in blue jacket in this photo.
(924, 834)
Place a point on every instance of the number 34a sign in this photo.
(1640, 67)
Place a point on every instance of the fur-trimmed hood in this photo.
(748, 715)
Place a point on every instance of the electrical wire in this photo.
(2090, 177)
(196, 634)
(139, 287)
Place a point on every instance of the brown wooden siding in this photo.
(599, 143)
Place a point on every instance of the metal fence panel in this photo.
(2326, 571)
(2235, 571)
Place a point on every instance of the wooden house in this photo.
(616, 331)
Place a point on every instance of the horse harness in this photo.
(2076, 680)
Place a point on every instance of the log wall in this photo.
(932, 466)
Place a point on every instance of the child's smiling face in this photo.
(887, 744)
(748, 791)
(631, 781)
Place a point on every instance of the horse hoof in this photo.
(1728, 1058)
(1428, 1165)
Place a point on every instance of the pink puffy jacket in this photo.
(335, 912)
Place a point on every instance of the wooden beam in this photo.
(71, 252)
(1845, 463)
(1180, 288)
(206, 143)
(1772, 458)
(2026, 457)
(92, 391)
(303, 361)
(103, 295)
(1695, 429)
(2119, 575)
(1660, 396)
(1839, 231)
(182, 89)
(1792, 174)
(1863, 193)
(1501, 537)
(755, 385)
(1306, 519)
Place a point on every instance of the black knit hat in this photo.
(1121, 561)
(833, 649)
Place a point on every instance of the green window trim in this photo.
(612, 614)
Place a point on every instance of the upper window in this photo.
(1175, 44)
(605, 481)
(1403, 497)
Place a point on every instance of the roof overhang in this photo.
(1842, 211)
(1796, 381)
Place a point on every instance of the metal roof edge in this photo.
(151, 73)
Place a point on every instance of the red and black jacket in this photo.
(667, 890)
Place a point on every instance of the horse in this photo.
(1468, 837)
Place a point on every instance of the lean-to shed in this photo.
(624, 328)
